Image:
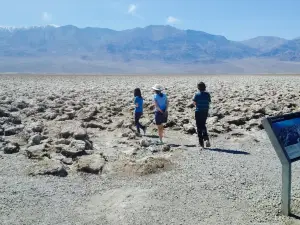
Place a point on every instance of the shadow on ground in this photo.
(294, 216)
(236, 152)
(179, 145)
(152, 136)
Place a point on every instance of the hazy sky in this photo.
(235, 19)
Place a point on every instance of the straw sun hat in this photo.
(157, 87)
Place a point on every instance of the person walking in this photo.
(138, 112)
(202, 101)
(161, 104)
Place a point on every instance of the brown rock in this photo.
(11, 148)
(48, 167)
(86, 114)
(145, 166)
(91, 164)
(80, 134)
(69, 127)
(166, 148)
(37, 152)
(76, 148)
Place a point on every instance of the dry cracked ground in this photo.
(69, 153)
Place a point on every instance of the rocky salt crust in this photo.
(70, 154)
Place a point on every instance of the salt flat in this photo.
(70, 155)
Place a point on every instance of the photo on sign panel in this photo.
(288, 134)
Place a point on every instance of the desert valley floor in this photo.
(69, 153)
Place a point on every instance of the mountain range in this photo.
(153, 49)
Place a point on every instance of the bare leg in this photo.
(160, 132)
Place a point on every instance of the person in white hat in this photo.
(160, 102)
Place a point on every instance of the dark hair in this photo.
(201, 86)
(159, 93)
(137, 92)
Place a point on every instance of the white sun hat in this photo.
(157, 87)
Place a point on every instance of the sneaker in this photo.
(160, 142)
(207, 144)
(200, 145)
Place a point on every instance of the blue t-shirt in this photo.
(161, 101)
(202, 100)
(138, 100)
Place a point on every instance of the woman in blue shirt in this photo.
(138, 112)
(160, 102)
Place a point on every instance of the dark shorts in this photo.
(137, 116)
(161, 118)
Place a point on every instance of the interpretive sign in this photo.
(284, 133)
(286, 129)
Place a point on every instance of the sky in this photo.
(235, 19)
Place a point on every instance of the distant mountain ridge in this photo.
(264, 43)
(155, 44)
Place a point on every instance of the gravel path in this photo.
(236, 183)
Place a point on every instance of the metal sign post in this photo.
(284, 134)
(286, 189)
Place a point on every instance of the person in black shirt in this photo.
(202, 101)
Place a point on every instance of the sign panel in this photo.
(287, 131)
(284, 134)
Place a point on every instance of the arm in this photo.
(157, 107)
(209, 104)
(167, 104)
(135, 102)
(194, 100)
